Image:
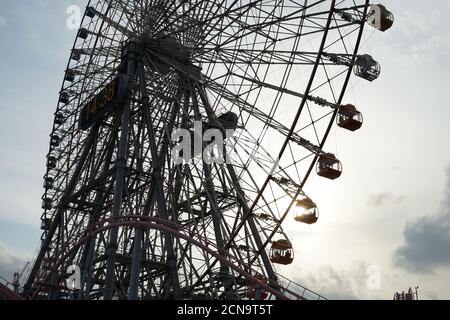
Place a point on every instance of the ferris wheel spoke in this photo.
(315, 26)
(124, 30)
(207, 20)
(104, 51)
(291, 16)
(240, 194)
(268, 170)
(266, 56)
(267, 120)
(266, 205)
(131, 14)
(161, 23)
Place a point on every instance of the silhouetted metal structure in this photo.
(139, 225)
(409, 295)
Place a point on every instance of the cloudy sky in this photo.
(385, 224)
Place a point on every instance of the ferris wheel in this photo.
(122, 218)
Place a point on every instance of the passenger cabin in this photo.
(281, 252)
(367, 68)
(306, 211)
(83, 33)
(45, 224)
(54, 140)
(90, 12)
(254, 291)
(48, 182)
(70, 76)
(380, 17)
(76, 55)
(227, 120)
(59, 118)
(328, 166)
(47, 204)
(51, 162)
(64, 97)
(349, 118)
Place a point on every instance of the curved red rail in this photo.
(8, 294)
(177, 230)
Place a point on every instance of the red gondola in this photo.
(328, 166)
(281, 252)
(380, 17)
(349, 118)
(306, 211)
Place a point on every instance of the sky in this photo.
(384, 225)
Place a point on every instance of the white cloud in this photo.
(427, 240)
(419, 36)
(350, 283)
(384, 199)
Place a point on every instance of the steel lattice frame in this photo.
(141, 227)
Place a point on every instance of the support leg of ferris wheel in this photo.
(130, 56)
(241, 196)
(212, 199)
(158, 183)
(89, 252)
(216, 212)
(155, 193)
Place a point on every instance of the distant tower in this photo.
(15, 282)
(410, 295)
